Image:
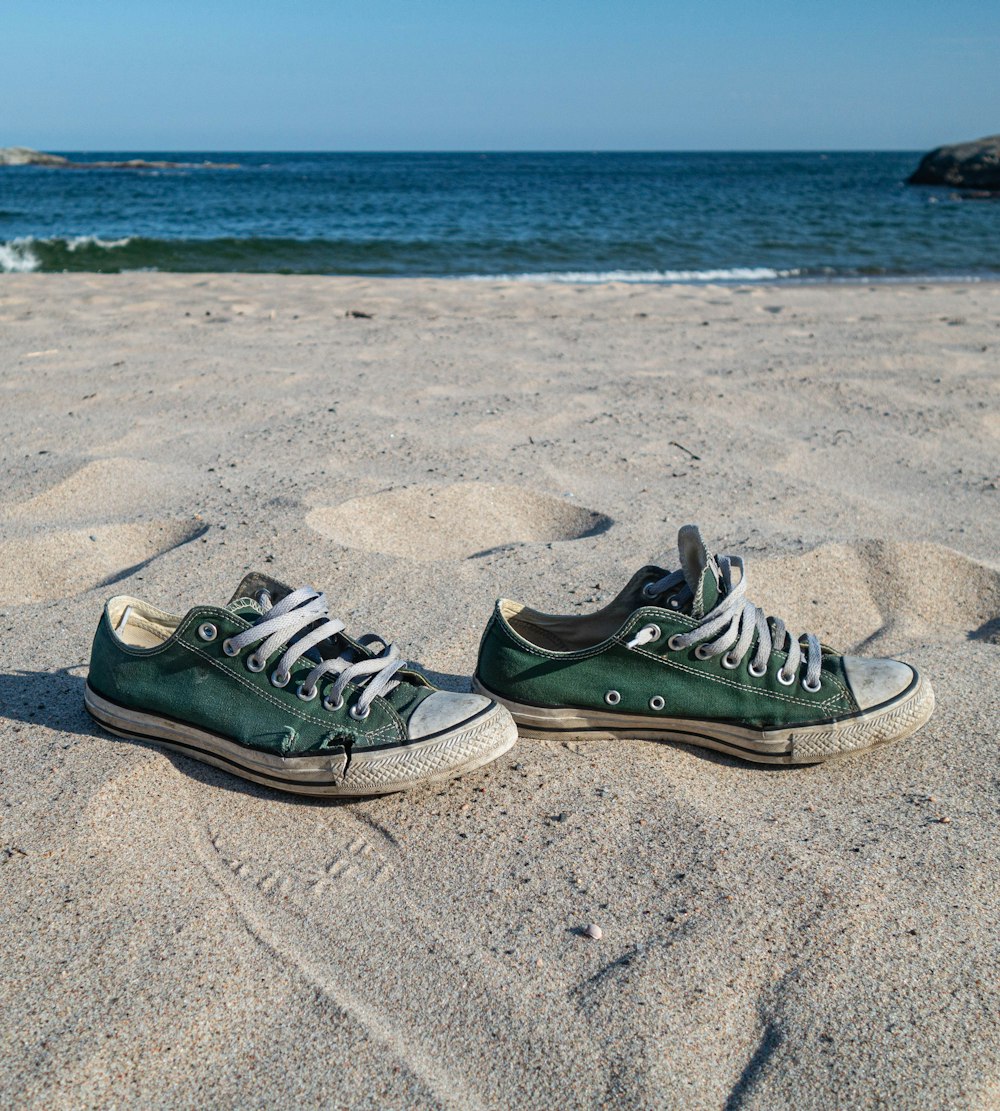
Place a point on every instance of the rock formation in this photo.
(24, 156)
(974, 165)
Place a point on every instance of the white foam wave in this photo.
(579, 277)
(17, 257)
(79, 241)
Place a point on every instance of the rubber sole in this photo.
(805, 744)
(476, 742)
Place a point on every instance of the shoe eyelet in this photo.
(255, 663)
(811, 689)
(754, 672)
(333, 707)
(307, 694)
(783, 679)
(702, 653)
(673, 604)
(208, 631)
(729, 662)
(613, 698)
(648, 592)
(359, 715)
(646, 635)
(656, 702)
(228, 649)
(279, 678)
(673, 645)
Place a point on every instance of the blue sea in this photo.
(642, 217)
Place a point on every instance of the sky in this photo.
(216, 75)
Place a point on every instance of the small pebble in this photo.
(594, 931)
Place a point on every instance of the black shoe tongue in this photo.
(701, 572)
(245, 602)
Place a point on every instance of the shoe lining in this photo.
(569, 632)
(138, 624)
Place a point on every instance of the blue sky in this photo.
(517, 75)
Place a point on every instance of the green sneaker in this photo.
(683, 656)
(271, 688)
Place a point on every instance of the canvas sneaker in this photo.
(272, 688)
(684, 655)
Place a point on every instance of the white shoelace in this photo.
(301, 608)
(735, 620)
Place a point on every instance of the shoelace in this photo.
(280, 623)
(734, 621)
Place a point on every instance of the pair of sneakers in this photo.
(274, 689)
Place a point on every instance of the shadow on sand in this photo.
(54, 700)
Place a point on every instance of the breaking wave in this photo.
(27, 253)
(467, 260)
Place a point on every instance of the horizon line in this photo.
(477, 150)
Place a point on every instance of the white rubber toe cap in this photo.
(444, 710)
(873, 682)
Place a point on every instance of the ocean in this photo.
(643, 217)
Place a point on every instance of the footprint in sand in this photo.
(310, 883)
(453, 522)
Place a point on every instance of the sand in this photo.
(790, 938)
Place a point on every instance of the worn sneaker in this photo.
(271, 688)
(684, 656)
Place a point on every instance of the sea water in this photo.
(642, 217)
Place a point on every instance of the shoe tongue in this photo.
(244, 602)
(701, 572)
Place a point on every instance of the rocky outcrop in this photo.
(24, 156)
(974, 165)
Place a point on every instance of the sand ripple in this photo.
(63, 562)
(453, 522)
(857, 594)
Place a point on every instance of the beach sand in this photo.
(772, 938)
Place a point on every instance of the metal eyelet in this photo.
(307, 694)
(280, 679)
(228, 649)
(812, 689)
(754, 672)
(646, 635)
(729, 662)
(701, 652)
(656, 702)
(783, 679)
(359, 715)
(613, 698)
(673, 645)
(255, 663)
(648, 592)
(673, 603)
(208, 631)
(333, 707)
